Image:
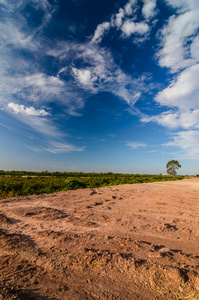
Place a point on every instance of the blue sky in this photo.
(99, 85)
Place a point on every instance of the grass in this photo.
(161, 203)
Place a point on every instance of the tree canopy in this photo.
(172, 166)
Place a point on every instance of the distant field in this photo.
(16, 183)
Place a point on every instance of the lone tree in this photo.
(172, 166)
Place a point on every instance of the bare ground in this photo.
(122, 242)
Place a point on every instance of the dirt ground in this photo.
(122, 242)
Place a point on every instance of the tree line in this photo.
(18, 183)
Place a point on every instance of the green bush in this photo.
(73, 184)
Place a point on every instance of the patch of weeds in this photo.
(161, 203)
(5, 194)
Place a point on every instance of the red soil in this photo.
(123, 242)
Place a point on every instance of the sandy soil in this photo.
(122, 242)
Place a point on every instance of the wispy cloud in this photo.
(57, 147)
(100, 31)
(135, 145)
(34, 118)
(188, 141)
(40, 124)
(101, 73)
(24, 80)
(77, 70)
(27, 82)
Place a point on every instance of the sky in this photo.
(99, 85)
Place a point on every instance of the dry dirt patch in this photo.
(124, 242)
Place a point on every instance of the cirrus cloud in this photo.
(187, 141)
(135, 145)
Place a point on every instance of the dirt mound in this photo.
(12, 241)
(124, 242)
(43, 213)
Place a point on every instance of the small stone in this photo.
(93, 192)
(180, 288)
(165, 250)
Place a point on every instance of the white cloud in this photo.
(30, 111)
(149, 8)
(184, 5)
(195, 48)
(117, 19)
(129, 7)
(135, 145)
(174, 120)
(83, 77)
(177, 39)
(122, 20)
(183, 92)
(100, 31)
(47, 87)
(179, 53)
(24, 80)
(130, 27)
(34, 118)
(188, 141)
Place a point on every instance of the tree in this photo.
(172, 166)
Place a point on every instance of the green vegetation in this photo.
(19, 183)
(172, 166)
